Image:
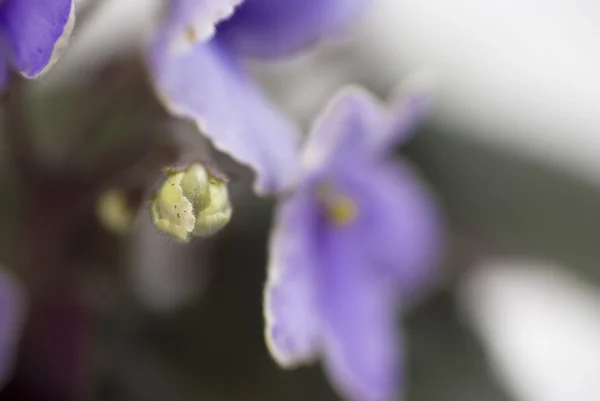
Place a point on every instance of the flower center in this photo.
(191, 35)
(340, 209)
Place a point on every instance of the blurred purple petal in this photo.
(404, 225)
(291, 312)
(402, 119)
(352, 139)
(194, 21)
(206, 85)
(267, 28)
(11, 311)
(376, 241)
(36, 32)
(356, 125)
(360, 340)
(341, 134)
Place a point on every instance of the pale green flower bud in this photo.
(114, 211)
(191, 202)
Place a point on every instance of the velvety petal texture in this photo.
(11, 314)
(36, 32)
(361, 345)
(268, 28)
(206, 85)
(291, 311)
(356, 125)
(401, 218)
(198, 76)
(341, 133)
(359, 235)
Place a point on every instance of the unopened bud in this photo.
(115, 212)
(191, 202)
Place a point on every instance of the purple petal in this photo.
(406, 112)
(341, 133)
(267, 28)
(404, 225)
(11, 310)
(360, 341)
(356, 125)
(193, 21)
(290, 311)
(206, 85)
(37, 32)
(400, 218)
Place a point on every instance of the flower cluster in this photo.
(356, 232)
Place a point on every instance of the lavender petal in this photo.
(356, 125)
(404, 223)
(194, 21)
(406, 112)
(37, 32)
(268, 28)
(342, 132)
(290, 294)
(206, 84)
(361, 344)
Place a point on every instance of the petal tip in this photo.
(59, 47)
(285, 359)
(200, 25)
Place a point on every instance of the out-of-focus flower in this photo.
(11, 312)
(115, 212)
(358, 234)
(197, 64)
(191, 202)
(35, 33)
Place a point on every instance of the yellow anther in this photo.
(191, 35)
(340, 209)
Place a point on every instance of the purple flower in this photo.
(358, 234)
(197, 64)
(34, 34)
(11, 310)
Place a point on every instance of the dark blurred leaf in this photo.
(516, 205)
(446, 362)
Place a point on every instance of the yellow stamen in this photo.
(340, 209)
(191, 34)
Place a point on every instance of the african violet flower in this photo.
(11, 309)
(358, 234)
(197, 65)
(34, 33)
